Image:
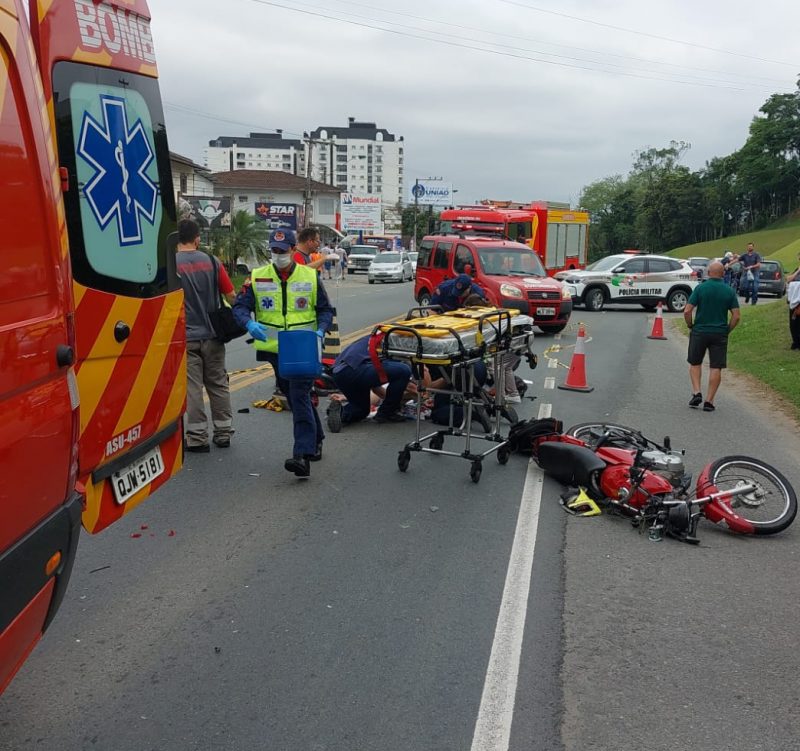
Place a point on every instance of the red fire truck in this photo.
(560, 236)
(92, 330)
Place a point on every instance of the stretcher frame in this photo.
(460, 368)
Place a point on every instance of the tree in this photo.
(246, 237)
(426, 218)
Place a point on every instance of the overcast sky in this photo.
(568, 92)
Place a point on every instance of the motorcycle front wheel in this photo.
(771, 507)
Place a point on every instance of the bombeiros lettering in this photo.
(114, 30)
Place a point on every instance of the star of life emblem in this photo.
(120, 156)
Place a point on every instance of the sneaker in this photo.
(316, 456)
(389, 417)
(200, 448)
(335, 416)
(696, 400)
(708, 407)
(514, 399)
(223, 442)
(298, 465)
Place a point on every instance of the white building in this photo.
(188, 178)
(258, 151)
(361, 158)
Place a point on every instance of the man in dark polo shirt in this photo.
(711, 302)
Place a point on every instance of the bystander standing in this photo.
(793, 298)
(711, 303)
(205, 355)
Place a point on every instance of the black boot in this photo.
(299, 465)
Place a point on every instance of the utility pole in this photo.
(307, 198)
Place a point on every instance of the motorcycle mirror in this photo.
(667, 443)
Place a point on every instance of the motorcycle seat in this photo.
(569, 464)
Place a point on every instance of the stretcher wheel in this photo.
(403, 460)
(502, 454)
(475, 471)
(437, 442)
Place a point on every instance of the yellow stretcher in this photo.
(458, 343)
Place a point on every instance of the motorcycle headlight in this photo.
(565, 293)
(509, 290)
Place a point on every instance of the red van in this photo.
(510, 273)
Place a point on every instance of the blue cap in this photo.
(282, 239)
(462, 282)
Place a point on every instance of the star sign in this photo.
(120, 187)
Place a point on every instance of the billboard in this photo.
(209, 213)
(431, 192)
(361, 212)
(278, 215)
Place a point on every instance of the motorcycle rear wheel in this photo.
(619, 434)
(771, 508)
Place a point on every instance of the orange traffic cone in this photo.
(576, 377)
(658, 324)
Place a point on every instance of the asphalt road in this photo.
(371, 609)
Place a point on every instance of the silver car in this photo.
(390, 267)
(626, 279)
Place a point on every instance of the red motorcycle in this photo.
(627, 473)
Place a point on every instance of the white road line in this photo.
(496, 713)
(552, 363)
(545, 410)
(550, 382)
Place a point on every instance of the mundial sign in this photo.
(432, 192)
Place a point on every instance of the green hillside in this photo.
(767, 242)
(787, 255)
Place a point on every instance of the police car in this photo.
(626, 279)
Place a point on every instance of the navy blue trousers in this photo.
(308, 433)
(356, 384)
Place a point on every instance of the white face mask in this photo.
(281, 260)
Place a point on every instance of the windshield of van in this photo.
(500, 261)
(387, 258)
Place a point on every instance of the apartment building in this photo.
(259, 151)
(361, 158)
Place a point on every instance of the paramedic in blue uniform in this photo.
(279, 296)
(450, 295)
(357, 375)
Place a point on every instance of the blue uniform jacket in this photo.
(446, 295)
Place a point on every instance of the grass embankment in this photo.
(767, 242)
(759, 346)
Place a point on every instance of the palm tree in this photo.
(246, 237)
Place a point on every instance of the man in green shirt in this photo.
(711, 302)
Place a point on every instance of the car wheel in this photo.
(594, 299)
(677, 300)
(425, 299)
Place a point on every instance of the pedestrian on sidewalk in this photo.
(711, 302)
(751, 263)
(281, 296)
(205, 354)
(307, 251)
(793, 298)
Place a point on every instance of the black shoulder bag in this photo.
(222, 320)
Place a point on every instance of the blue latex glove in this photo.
(320, 333)
(257, 330)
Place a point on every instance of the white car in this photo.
(359, 257)
(626, 279)
(390, 267)
(413, 255)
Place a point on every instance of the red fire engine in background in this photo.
(559, 235)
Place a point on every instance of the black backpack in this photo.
(522, 434)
